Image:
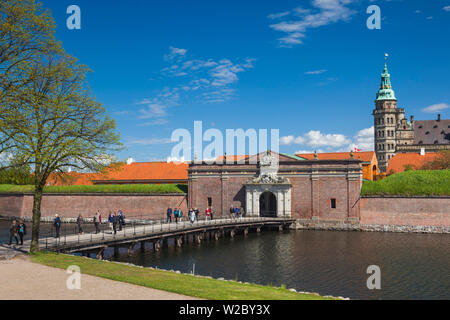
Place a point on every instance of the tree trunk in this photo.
(36, 219)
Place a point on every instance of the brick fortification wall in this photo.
(419, 214)
(70, 206)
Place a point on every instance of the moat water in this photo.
(413, 266)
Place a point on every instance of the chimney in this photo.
(439, 117)
(422, 151)
(130, 161)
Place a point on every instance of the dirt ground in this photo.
(22, 279)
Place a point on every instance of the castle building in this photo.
(394, 133)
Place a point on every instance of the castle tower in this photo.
(386, 116)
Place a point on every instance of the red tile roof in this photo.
(398, 162)
(139, 171)
(366, 156)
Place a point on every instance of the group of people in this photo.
(177, 214)
(16, 231)
(237, 212)
(115, 219)
(193, 213)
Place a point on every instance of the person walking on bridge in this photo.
(97, 221)
(169, 215)
(197, 212)
(110, 220)
(80, 224)
(21, 231)
(231, 212)
(191, 215)
(115, 220)
(13, 232)
(121, 219)
(242, 211)
(175, 214)
(57, 224)
(236, 211)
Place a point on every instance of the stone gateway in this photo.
(279, 185)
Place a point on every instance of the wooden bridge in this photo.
(158, 234)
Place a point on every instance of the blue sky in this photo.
(310, 68)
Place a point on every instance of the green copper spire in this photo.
(386, 92)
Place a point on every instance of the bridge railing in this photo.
(69, 236)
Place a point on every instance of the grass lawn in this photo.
(188, 285)
(124, 188)
(410, 183)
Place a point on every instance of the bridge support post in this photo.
(130, 248)
(179, 241)
(245, 232)
(232, 233)
(156, 245)
(258, 229)
(100, 253)
(216, 235)
(280, 227)
(197, 238)
(116, 251)
(165, 242)
(142, 246)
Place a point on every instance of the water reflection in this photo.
(413, 266)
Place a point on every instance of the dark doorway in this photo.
(268, 205)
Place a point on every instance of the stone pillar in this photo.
(224, 199)
(315, 192)
(353, 195)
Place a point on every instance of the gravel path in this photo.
(22, 279)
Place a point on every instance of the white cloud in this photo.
(325, 12)
(211, 77)
(287, 140)
(174, 53)
(308, 151)
(446, 8)
(150, 141)
(153, 123)
(152, 110)
(316, 71)
(317, 139)
(364, 140)
(436, 108)
(278, 15)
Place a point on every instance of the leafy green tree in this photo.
(26, 31)
(51, 122)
